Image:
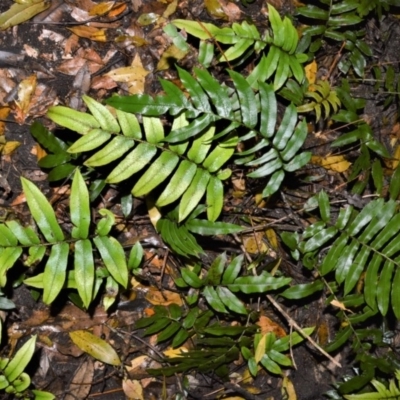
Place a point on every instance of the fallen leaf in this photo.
(9, 147)
(101, 8)
(267, 325)
(89, 32)
(165, 298)
(81, 383)
(96, 347)
(26, 88)
(340, 305)
(169, 57)
(334, 163)
(311, 74)
(4, 112)
(288, 391)
(171, 353)
(132, 389)
(133, 75)
(19, 13)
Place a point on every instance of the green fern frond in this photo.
(324, 100)
(359, 243)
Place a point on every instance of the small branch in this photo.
(293, 323)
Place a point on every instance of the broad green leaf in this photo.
(232, 271)
(279, 358)
(214, 300)
(311, 11)
(298, 162)
(8, 257)
(231, 301)
(274, 183)
(113, 150)
(193, 194)
(319, 239)
(19, 13)
(93, 139)
(42, 212)
(286, 128)
(41, 395)
(284, 343)
(55, 272)
(153, 129)
(324, 206)
(132, 162)
(258, 284)
(269, 110)
(384, 287)
(236, 51)
(220, 155)
(7, 238)
(215, 272)
(105, 224)
(282, 71)
(206, 31)
(247, 99)
(169, 331)
(302, 290)
(156, 174)
(210, 228)
(295, 142)
(371, 280)
(47, 139)
(214, 198)
(270, 365)
(79, 207)
(20, 360)
(266, 169)
(74, 120)
(395, 294)
(135, 256)
(113, 257)
(95, 347)
(201, 145)
(179, 182)
(217, 92)
(129, 124)
(340, 339)
(276, 25)
(102, 114)
(84, 270)
(191, 278)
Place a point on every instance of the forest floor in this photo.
(52, 59)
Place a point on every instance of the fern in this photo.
(359, 243)
(382, 392)
(14, 238)
(281, 60)
(324, 99)
(337, 21)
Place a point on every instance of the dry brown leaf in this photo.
(267, 325)
(38, 151)
(165, 298)
(231, 10)
(133, 389)
(4, 112)
(333, 163)
(254, 244)
(311, 74)
(118, 9)
(81, 383)
(288, 391)
(340, 305)
(9, 148)
(26, 88)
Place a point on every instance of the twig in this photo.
(293, 323)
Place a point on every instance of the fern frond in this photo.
(324, 99)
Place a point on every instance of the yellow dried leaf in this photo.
(10, 147)
(394, 161)
(96, 347)
(334, 163)
(134, 75)
(288, 390)
(215, 9)
(272, 238)
(340, 305)
(89, 32)
(165, 298)
(311, 74)
(169, 57)
(260, 350)
(25, 91)
(101, 8)
(4, 112)
(175, 352)
(254, 244)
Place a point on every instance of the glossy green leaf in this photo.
(79, 207)
(132, 162)
(311, 11)
(214, 300)
(95, 347)
(383, 289)
(20, 360)
(102, 114)
(156, 174)
(193, 194)
(179, 182)
(214, 198)
(274, 183)
(201, 145)
(55, 272)
(204, 30)
(230, 300)
(286, 128)
(113, 150)
(302, 290)
(135, 256)
(84, 270)
(191, 278)
(93, 139)
(217, 268)
(232, 271)
(129, 124)
(74, 120)
(270, 365)
(47, 139)
(113, 257)
(269, 110)
(105, 224)
(42, 212)
(258, 284)
(210, 228)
